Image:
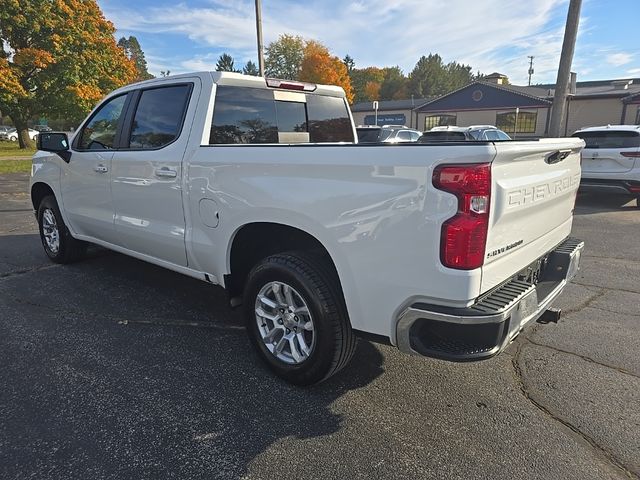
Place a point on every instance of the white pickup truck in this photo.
(445, 250)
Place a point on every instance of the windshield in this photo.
(610, 139)
(385, 134)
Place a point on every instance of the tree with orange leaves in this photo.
(57, 57)
(319, 66)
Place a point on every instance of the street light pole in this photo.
(259, 33)
(564, 69)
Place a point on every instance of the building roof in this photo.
(596, 88)
(483, 96)
(525, 96)
(386, 105)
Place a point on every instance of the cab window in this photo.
(159, 116)
(100, 132)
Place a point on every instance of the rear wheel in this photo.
(56, 239)
(296, 317)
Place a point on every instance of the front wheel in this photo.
(58, 243)
(296, 318)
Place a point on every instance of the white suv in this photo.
(611, 159)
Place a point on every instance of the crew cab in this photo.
(259, 185)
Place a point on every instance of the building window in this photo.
(638, 116)
(439, 121)
(526, 122)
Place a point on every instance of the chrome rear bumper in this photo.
(485, 328)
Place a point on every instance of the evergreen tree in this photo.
(251, 68)
(226, 64)
(432, 77)
(349, 63)
(133, 51)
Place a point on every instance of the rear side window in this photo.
(610, 139)
(159, 116)
(244, 115)
(252, 115)
(328, 119)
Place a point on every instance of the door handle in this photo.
(166, 172)
(100, 168)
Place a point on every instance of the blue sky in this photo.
(489, 35)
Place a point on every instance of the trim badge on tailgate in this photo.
(506, 248)
(541, 192)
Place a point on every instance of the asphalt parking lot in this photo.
(113, 368)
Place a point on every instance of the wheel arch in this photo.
(254, 241)
(40, 190)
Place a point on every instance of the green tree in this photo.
(283, 57)
(251, 68)
(432, 77)
(226, 64)
(57, 58)
(366, 83)
(394, 84)
(133, 51)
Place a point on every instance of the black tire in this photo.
(316, 282)
(69, 249)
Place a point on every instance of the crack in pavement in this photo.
(605, 288)
(14, 273)
(608, 455)
(614, 311)
(627, 260)
(159, 321)
(587, 303)
(583, 357)
(180, 323)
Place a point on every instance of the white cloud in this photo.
(619, 59)
(488, 34)
(634, 71)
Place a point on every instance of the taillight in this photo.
(464, 236)
(630, 154)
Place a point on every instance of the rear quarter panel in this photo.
(374, 209)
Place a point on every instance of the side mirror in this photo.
(54, 142)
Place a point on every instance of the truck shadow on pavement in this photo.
(119, 368)
(589, 203)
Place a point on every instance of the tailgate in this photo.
(534, 186)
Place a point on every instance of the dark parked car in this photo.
(386, 134)
(462, 134)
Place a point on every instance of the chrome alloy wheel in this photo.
(50, 231)
(285, 323)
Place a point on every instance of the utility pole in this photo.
(564, 69)
(259, 32)
(530, 57)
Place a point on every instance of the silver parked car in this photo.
(386, 134)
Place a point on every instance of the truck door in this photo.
(85, 180)
(147, 173)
